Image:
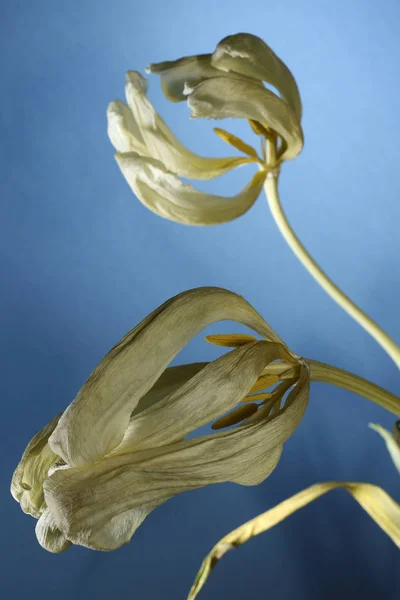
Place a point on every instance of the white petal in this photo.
(123, 130)
(48, 534)
(170, 380)
(221, 98)
(95, 422)
(164, 193)
(216, 389)
(392, 444)
(28, 477)
(83, 500)
(189, 70)
(249, 55)
(116, 532)
(161, 143)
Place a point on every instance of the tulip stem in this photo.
(324, 373)
(271, 190)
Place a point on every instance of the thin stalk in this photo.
(271, 190)
(324, 373)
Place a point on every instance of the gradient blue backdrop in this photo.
(83, 262)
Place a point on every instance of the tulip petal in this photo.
(249, 55)
(123, 130)
(162, 144)
(28, 477)
(164, 193)
(95, 422)
(169, 381)
(375, 501)
(216, 389)
(188, 70)
(48, 534)
(391, 442)
(220, 98)
(83, 500)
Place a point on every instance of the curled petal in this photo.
(84, 500)
(162, 144)
(170, 380)
(164, 193)
(375, 501)
(123, 130)
(48, 534)
(216, 389)
(189, 70)
(28, 477)
(95, 422)
(391, 441)
(249, 55)
(220, 98)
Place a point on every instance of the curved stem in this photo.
(324, 373)
(271, 190)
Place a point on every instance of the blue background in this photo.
(83, 262)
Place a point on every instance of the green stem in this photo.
(271, 190)
(324, 373)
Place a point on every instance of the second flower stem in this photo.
(271, 190)
(325, 373)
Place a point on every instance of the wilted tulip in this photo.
(119, 450)
(227, 83)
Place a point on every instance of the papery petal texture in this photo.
(84, 500)
(220, 98)
(95, 422)
(28, 477)
(216, 389)
(48, 534)
(164, 193)
(176, 74)
(392, 443)
(249, 55)
(156, 139)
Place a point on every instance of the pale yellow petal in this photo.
(123, 130)
(49, 536)
(249, 55)
(95, 422)
(188, 70)
(162, 144)
(28, 477)
(220, 98)
(169, 381)
(375, 501)
(216, 389)
(164, 193)
(392, 444)
(83, 500)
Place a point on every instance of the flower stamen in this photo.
(238, 415)
(256, 397)
(230, 340)
(236, 142)
(263, 382)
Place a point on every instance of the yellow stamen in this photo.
(265, 381)
(230, 340)
(258, 128)
(256, 397)
(236, 416)
(236, 142)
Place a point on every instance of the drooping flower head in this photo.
(230, 82)
(120, 449)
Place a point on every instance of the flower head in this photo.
(120, 449)
(227, 83)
